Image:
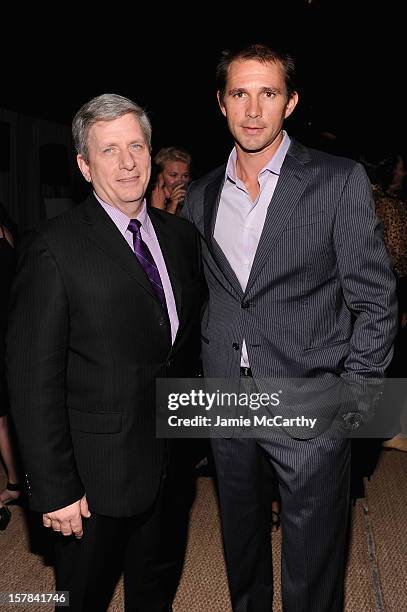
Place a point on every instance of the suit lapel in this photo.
(295, 174)
(102, 231)
(211, 204)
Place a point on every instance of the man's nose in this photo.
(253, 109)
(127, 160)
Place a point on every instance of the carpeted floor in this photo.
(376, 572)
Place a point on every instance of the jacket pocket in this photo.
(328, 345)
(95, 422)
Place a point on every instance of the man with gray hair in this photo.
(107, 300)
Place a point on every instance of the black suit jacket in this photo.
(87, 340)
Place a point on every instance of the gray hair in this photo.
(106, 107)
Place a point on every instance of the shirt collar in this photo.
(121, 220)
(274, 164)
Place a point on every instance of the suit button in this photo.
(168, 364)
(161, 321)
(235, 346)
(245, 305)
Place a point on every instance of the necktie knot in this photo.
(134, 226)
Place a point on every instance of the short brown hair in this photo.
(261, 53)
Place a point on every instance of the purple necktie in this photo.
(146, 260)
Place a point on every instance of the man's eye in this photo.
(239, 94)
(108, 150)
(136, 146)
(269, 94)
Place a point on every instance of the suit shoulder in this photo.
(208, 178)
(335, 161)
(321, 159)
(59, 232)
(63, 223)
(174, 222)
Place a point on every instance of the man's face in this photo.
(119, 163)
(175, 173)
(255, 104)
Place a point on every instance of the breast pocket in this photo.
(95, 422)
(306, 220)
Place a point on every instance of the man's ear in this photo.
(84, 168)
(221, 105)
(291, 104)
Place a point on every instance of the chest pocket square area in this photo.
(95, 422)
(305, 220)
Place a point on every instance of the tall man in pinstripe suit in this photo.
(299, 286)
(91, 329)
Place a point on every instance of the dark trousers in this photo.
(149, 549)
(313, 478)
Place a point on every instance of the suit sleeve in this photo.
(367, 281)
(192, 209)
(185, 210)
(37, 346)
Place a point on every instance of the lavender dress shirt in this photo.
(149, 236)
(238, 211)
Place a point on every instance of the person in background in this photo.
(12, 492)
(173, 165)
(389, 180)
(105, 301)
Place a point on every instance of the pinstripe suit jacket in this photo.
(320, 298)
(87, 339)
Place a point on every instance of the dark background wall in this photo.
(350, 56)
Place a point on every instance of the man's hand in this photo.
(68, 520)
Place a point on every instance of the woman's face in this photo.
(175, 173)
